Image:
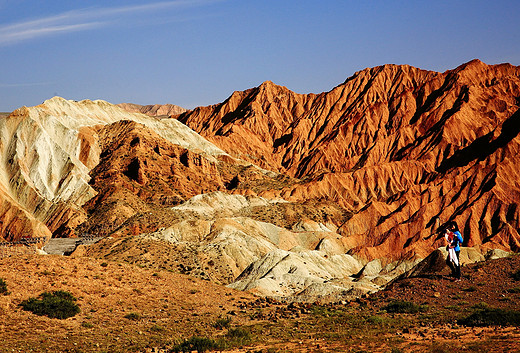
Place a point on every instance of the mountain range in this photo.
(275, 192)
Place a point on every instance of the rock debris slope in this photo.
(305, 196)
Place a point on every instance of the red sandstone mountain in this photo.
(404, 149)
(372, 168)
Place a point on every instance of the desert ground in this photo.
(128, 308)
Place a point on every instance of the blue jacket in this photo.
(457, 240)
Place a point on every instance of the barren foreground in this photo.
(126, 308)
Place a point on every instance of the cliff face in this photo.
(404, 149)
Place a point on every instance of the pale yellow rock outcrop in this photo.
(47, 152)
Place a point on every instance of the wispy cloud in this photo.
(27, 84)
(82, 20)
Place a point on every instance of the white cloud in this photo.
(8, 37)
(81, 20)
(23, 85)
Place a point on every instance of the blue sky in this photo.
(194, 53)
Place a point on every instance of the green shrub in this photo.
(378, 320)
(492, 317)
(3, 287)
(56, 305)
(516, 275)
(199, 344)
(235, 337)
(222, 322)
(323, 311)
(404, 307)
(470, 289)
(238, 336)
(132, 316)
(156, 328)
(481, 305)
(452, 307)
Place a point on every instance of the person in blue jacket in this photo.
(454, 239)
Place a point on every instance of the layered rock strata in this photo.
(47, 154)
(291, 195)
(405, 150)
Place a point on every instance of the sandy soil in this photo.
(128, 308)
(167, 305)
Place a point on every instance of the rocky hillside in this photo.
(158, 110)
(47, 154)
(300, 196)
(403, 149)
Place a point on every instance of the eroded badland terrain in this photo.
(271, 222)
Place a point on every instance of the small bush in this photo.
(492, 317)
(235, 337)
(239, 336)
(318, 310)
(199, 344)
(404, 307)
(56, 305)
(378, 320)
(452, 307)
(156, 328)
(3, 287)
(481, 305)
(470, 289)
(222, 322)
(516, 275)
(132, 316)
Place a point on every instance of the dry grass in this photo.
(124, 308)
(127, 308)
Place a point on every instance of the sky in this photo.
(196, 53)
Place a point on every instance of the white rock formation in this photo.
(305, 263)
(47, 151)
(289, 274)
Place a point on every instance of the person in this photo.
(454, 239)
